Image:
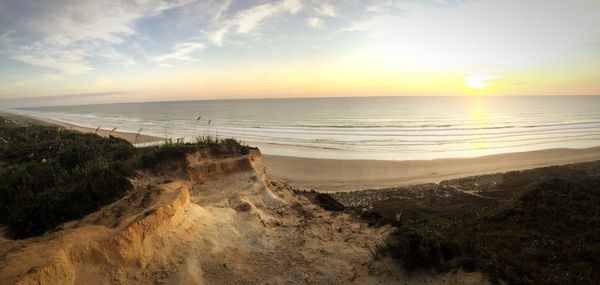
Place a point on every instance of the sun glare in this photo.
(478, 81)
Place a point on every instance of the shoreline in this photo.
(337, 175)
(334, 175)
(128, 136)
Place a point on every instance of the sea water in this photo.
(388, 128)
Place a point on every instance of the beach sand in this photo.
(330, 175)
(346, 175)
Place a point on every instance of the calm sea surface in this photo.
(394, 128)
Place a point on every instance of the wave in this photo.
(426, 150)
(302, 128)
(408, 133)
(400, 136)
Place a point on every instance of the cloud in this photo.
(248, 19)
(180, 52)
(217, 36)
(380, 7)
(5, 39)
(115, 56)
(291, 6)
(314, 22)
(66, 23)
(218, 13)
(325, 10)
(69, 62)
(63, 35)
(482, 34)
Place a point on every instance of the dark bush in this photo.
(49, 176)
(151, 157)
(547, 235)
(69, 159)
(416, 249)
(327, 202)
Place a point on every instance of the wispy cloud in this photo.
(115, 56)
(248, 19)
(181, 52)
(326, 10)
(218, 36)
(92, 20)
(72, 32)
(69, 62)
(218, 13)
(382, 6)
(5, 39)
(314, 22)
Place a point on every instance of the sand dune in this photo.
(212, 221)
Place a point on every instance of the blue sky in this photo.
(184, 49)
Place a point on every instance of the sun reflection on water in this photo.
(479, 119)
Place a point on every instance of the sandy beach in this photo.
(346, 175)
(331, 175)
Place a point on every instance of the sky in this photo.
(93, 51)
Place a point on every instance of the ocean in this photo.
(382, 128)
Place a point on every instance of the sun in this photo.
(479, 81)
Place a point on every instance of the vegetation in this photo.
(50, 175)
(149, 157)
(547, 233)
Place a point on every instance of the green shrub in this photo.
(50, 175)
(150, 157)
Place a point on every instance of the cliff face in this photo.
(215, 220)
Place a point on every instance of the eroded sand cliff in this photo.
(211, 220)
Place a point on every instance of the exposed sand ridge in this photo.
(214, 219)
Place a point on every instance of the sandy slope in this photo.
(214, 221)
